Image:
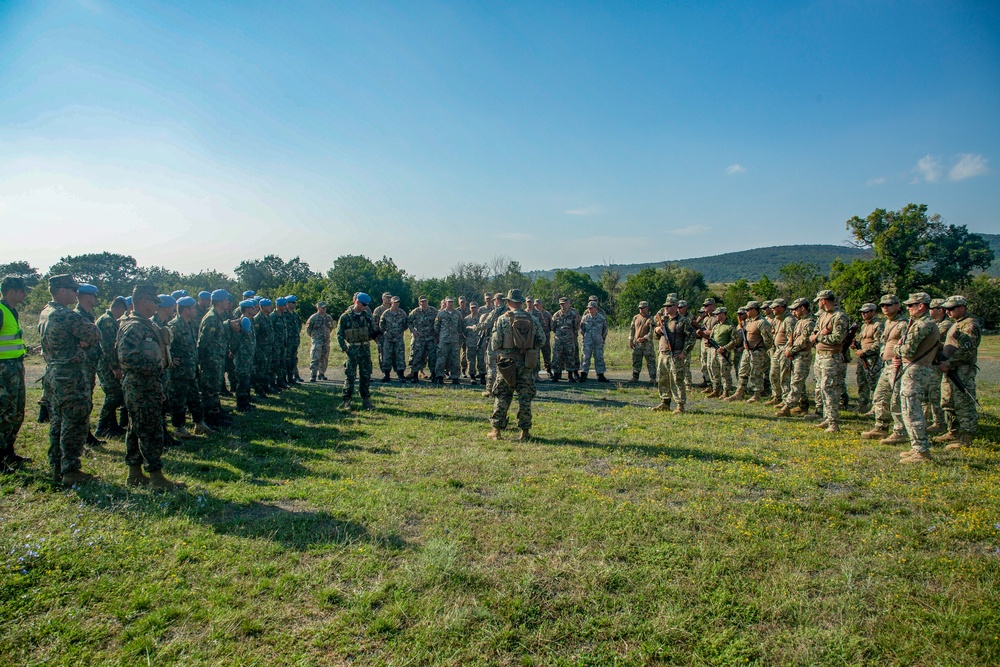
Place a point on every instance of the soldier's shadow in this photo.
(650, 450)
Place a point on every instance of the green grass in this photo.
(403, 536)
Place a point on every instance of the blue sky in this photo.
(197, 134)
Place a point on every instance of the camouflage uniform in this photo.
(423, 346)
(677, 338)
(213, 349)
(244, 348)
(380, 339)
(933, 411)
(961, 348)
(545, 319)
(566, 327)
(916, 349)
(449, 327)
(886, 397)
(90, 365)
(526, 362)
(800, 348)
(262, 362)
(66, 335)
(318, 328)
(143, 354)
(781, 366)
(475, 350)
(392, 324)
(831, 370)
(279, 349)
(293, 336)
(114, 397)
(720, 365)
(640, 338)
(182, 391)
(354, 331)
(756, 340)
(869, 362)
(595, 330)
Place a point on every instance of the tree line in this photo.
(909, 251)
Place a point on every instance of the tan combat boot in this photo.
(964, 440)
(823, 424)
(679, 410)
(366, 404)
(754, 399)
(833, 428)
(950, 436)
(715, 393)
(525, 435)
(76, 477)
(916, 457)
(346, 405)
(936, 428)
(136, 477)
(737, 396)
(784, 411)
(664, 406)
(895, 438)
(494, 433)
(797, 411)
(160, 483)
(182, 433)
(201, 428)
(773, 401)
(876, 433)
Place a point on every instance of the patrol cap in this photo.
(779, 302)
(766, 304)
(449, 298)
(473, 305)
(682, 304)
(937, 303)
(670, 301)
(386, 295)
(291, 298)
(395, 299)
(63, 280)
(592, 304)
(592, 297)
(264, 303)
(563, 299)
(515, 296)
(249, 293)
(178, 293)
(868, 307)
(800, 303)
(247, 303)
(119, 302)
(752, 305)
(708, 302)
(321, 304)
(498, 295)
(86, 289)
(220, 295)
(246, 325)
(204, 295)
(955, 302)
(363, 298)
(280, 301)
(644, 304)
(422, 298)
(145, 292)
(888, 300)
(721, 310)
(165, 301)
(12, 283)
(186, 302)
(825, 294)
(742, 311)
(918, 297)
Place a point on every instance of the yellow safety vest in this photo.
(11, 343)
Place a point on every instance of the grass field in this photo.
(403, 537)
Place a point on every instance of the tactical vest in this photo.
(359, 332)
(826, 320)
(952, 342)
(674, 335)
(754, 339)
(11, 336)
(924, 354)
(780, 331)
(867, 336)
(892, 335)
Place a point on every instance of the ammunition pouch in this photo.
(507, 368)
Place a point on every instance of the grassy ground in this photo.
(618, 536)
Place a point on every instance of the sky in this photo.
(194, 135)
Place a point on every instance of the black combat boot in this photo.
(92, 440)
(402, 377)
(601, 378)
(582, 377)
(43, 413)
(386, 377)
(556, 376)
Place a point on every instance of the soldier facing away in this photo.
(517, 338)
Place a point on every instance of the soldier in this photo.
(885, 400)
(12, 390)
(499, 308)
(676, 340)
(392, 325)
(264, 334)
(182, 390)
(86, 301)
(213, 349)
(682, 309)
(279, 344)
(703, 325)
(961, 353)
(463, 310)
(109, 373)
(912, 364)
(449, 327)
(293, 333)
(319, 326)
(756, 339)
(475, 350)
(783, 326)
(594, 327)
(566, 327)
(66, 336)
(545, 319)
(933, 412)
(517, 338)
(798, 351)
(244, 347)
(376, 319)
(828, 337)
(423, 346)
(144, 353)
(720, 368)
(869, 363)
(738, 335)
(354, 333)
(203, 306)
(640, 340)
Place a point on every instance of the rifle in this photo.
(952, 375)
(711, 342)
(666, 339)
(852, 331)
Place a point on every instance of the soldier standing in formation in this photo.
(960, 355)
(831, 371)
(12, 389)
(594, 328)
(640, 340)
(109, 373)
(517, 338)
(912, 366)
(355, 331)
(798, 351)
(182, 392)
(545, 319)
(720, 366)
(423, 346)
(566, 328)
(869, 363)
(782, 326)
(474, 349)
(279, 344)
(449, 327)
(213, 350)
(319, 326)
(263, 377)
(392, 324)
(676, 340)
(756, 339)
(933, 412)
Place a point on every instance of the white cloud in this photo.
(515, 236)
(586, 210)
(967, 166)
(876, 181)
(736, 169)
(692, 230)
(928, 168)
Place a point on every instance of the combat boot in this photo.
(322, 376)
(494, 433)
(556, 376)
(103, 429)
(582, 377)
(525, 435)
(894, 438)
(797, 411)
(346, 404)
(366, 404)
(715, 393)
(916, 457)
(679, 410)
(401, 376)
(136, 477)
(754, 399)
(482, 379)
(773, 401)
(76, 477)
(201, 428)
(414, 378)
(784, 411)
(43, 413)
(602, 378)
(709, 390)
(386, 377)
(312, 378)
(158, 482)
(964, 440)
(936, 428)
(664, 406)
(635, 377)
(875, 434)
(738, 395)
(833, 428)
(93, 441)
(950, 436)
(823, 424)
(182, 433)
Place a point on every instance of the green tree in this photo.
(737, 294)
(653, 285)
(764, 289)
(800, 279)
(983, 294)
(856, 284)
(22, 270)
(577, 287)
(611, 281)
(110, 273)
(271, 271)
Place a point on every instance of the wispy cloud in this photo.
(515, 236)
(736, 169)
(967, 166)
(928, 169)
(593, 209)
(692, 230)
(876, 181)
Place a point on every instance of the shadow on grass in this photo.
(651, 450)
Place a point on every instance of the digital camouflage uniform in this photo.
(886, 397)
(544, 318)
(393, 324)
(423, 346)
(293, 336)
(675, 341)
(318, 328)
(379, 340)
(800, 347)
(565, 328)
(720, 365)
(143, 354)
(263, 365)
(354, 332)
(831, 370)
(754, 363)
(183, 394)
(279, 349)
(526, 363)
(640, 338)
(65, 337)
(475, 350)
(489, 326)
(933, 410)
(449, 327)
(961, 348)
(783, 327)
(594, 329)
(93, 354)
(917, 349)
(869, 362)
(213, 349)
(244, 348)
(114, 397)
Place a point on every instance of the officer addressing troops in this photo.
(594, 327)
(640, 340)
(958, 366)
(676, 340)
(12, 389)
(319, 326)
(517, 338)
(355, 331)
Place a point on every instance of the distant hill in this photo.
(994, 241)
(749, 264)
